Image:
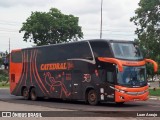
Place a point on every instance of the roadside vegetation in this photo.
(4, 79)
(154, 92)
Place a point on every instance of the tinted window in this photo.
(79, 50)
(67, 51)
(107, 76)
(101, 49)
(132, 76)
(126, 51)
(110, 77)
(16, 57)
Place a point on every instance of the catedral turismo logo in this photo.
(56, 66)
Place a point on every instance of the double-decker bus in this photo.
(91, 70)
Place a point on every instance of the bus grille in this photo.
(135, 93)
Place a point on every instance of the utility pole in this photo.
(9, 46)
(101, 20)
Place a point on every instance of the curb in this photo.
(154, 98)
(5, 88)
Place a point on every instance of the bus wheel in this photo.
(33, 94)
(92, 97)
(25, 93)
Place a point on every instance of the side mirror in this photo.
(155, 65)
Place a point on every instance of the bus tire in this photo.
(33, 94)
(25, 93)
(92, 97)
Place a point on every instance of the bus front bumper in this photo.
(123, 94)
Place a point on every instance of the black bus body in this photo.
(91, 70)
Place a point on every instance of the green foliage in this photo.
(150, 70)
(4, 72)
(51, 27)
(6, 53)
(147, 20)
(3, 76)
(3, 85)
(154, 92)
(1, 61)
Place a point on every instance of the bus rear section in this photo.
(55, 71)
(16, 68)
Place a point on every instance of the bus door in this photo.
(108, 77)
(76, 84)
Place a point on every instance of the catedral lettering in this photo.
(54, 66)
(91, 70)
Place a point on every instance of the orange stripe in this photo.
(34, 73)
(112, 60)
(154, 64)
(16, 50)
(31, 69)
(120, 63)
(38, 74)
(26, 64)
(22, 75)
(133, 63)
(131, 89)
(126, 97)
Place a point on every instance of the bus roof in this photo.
(100, 40)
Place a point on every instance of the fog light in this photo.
(122, 97)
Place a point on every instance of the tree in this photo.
(1, 62)
(147, 20)
(51, 27)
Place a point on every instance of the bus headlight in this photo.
(122, 91)
(119, 90)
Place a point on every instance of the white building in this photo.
(2, 54)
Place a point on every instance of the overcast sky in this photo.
(116, 15)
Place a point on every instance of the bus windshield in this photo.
(127, 51)
(132, 77)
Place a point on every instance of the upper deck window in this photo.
(101, 49)
(16, 57)
(128, 51)
(79, 50)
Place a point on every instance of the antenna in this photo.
(101, 20)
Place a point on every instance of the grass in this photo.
(155, 92)
(3, 79)
(3, 85)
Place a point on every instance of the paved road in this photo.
(52, 104)
(150, 105)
